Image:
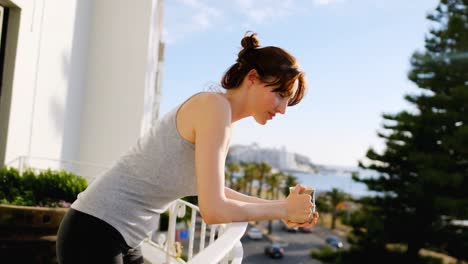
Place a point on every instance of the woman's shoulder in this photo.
(209, 101)
(206, 107)
(210, 96)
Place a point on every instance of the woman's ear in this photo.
(252, 76)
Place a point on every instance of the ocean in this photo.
(325, 181)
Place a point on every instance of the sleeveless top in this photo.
(143, 183)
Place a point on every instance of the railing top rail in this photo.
(57, 160)
(188, 204)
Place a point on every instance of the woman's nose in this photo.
(282, 107)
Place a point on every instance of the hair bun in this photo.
(250, 40)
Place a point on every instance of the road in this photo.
(297, 250)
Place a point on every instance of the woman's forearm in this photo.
(232, 210)
(236, 207)
(234, 195)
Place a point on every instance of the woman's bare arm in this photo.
(212, 132)
(231, 194)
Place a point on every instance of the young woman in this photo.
(184, 154)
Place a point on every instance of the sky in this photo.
(355, 54)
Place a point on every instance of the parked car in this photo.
(254, 233)
(285, 227)
(291, 229)
(274, 250)
(334, 242)
(305, 229)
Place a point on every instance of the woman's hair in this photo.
(268, 62)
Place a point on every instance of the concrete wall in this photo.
(48, 38)
(80, 73)
(122, 65)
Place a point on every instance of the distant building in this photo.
(278, 158)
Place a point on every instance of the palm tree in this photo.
(336, 196)
(249, 175)
(263, 171)
(230, 169)
(290, 181)
(274, 183)
(240, 185)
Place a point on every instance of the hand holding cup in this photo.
(299, 205)
(312, 215)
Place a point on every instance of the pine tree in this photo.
(423, 182)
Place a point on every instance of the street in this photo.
(297, 250)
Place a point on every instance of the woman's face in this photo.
(269, 103)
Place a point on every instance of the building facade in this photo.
(279, 158)
(80, 79)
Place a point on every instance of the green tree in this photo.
(230, 169)
(289, 181)
(335, 197)
(274, 184)
(322, 203)
(423, 169)
(240, 185)
(263, 171)
(250, 170)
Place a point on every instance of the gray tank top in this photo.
(143, 182)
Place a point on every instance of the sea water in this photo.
(325, 181)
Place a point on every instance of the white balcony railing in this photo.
(205, 244)
(223, 245)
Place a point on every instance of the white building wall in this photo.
(122, 64)
(153, 80)
(18, 128)
(61, 74)
(49, 63)
(81, 73)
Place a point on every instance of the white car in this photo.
(254, 233)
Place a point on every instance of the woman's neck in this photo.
(238, 100)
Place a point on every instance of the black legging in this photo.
(83, 238)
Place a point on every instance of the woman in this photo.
(184, 154)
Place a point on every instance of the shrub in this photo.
(369, 256)
(46, 188)
(326, 254)
(57, 185)
(10, 184)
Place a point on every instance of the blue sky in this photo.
(355, 54)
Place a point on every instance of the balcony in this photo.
(203, 243)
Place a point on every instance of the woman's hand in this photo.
(312, 223)
(298, 206)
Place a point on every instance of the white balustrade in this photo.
(223, 245)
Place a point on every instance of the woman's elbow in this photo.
(213, 216)
(211, 220)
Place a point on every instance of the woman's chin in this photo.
(261, 121)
